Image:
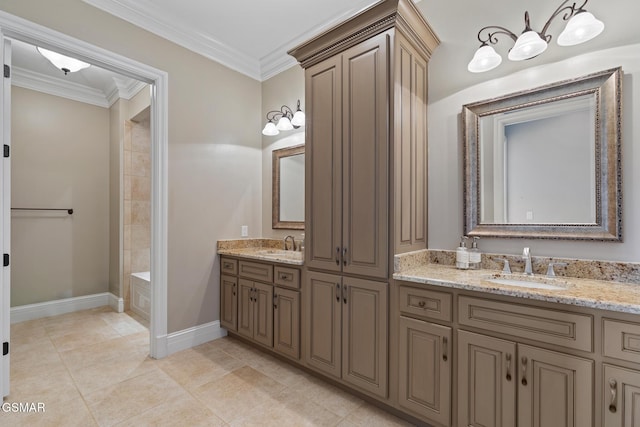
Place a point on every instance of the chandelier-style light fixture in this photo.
(582, 27)
(62, 62)
(285, 118)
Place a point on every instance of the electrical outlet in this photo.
(244, 231)
(529, 215)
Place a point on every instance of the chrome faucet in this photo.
(526, 255)
(293, 243)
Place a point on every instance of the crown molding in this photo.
(124, 88)
(143, 17)
(58, 87)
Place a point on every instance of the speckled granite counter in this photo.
(260, 250)
(599, 294)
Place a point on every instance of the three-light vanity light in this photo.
(582, 27)
(286, 120)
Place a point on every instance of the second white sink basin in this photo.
(528, 282)
(280, 253)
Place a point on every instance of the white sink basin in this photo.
(529, 282)
(280, 253)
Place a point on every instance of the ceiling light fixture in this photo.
(582, 27)
(286, 119)
(62, 62)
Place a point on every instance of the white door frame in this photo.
(21, 29)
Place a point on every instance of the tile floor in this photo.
(91, 368)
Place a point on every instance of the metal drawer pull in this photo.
(344, 293)
(227, 265)
(524, 370)
(508, 357)
(275, 301)
(338, 292)
(234, 289)
(421, 304)
(337, 255)
(445, 348)
(285, 276)
(613, 385)
(344, 256)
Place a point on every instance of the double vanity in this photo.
(457, 347)
(368, 307)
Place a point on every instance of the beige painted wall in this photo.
(282, 89)
(59, 152)
(445, 158)
(214, 138)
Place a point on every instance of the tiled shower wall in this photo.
(137, 202)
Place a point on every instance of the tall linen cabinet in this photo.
(366, 184)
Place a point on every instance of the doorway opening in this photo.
(15, 28)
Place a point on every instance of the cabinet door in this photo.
(364, 334)
(323, 165)
(554, 389)
(286, 322)
(425, 369)
(323, 322)
(263, 314)
(245, 308)
(365, 148)
(229, 302)
(621, 397)
(486, 381)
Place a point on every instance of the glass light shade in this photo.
(62, 62)
(528, 45)
(580, 28)
(284, 123)
(485, 59)
(270, 129)
(298, 118)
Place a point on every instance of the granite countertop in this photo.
(261, 253)
(600, 294)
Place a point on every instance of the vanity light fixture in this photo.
(582, 27)
(286, 119)
(62, 62)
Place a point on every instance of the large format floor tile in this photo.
(91, 368)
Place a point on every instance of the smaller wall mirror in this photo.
(288, 188)
(546, 163)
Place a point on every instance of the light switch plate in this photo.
(244, 231)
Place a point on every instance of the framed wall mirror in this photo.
(288, 188)
(546, 162)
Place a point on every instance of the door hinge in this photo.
(5, 348)
(6, 151)
(5, 260)
(7, 71)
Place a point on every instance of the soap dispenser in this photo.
(475, 258)
(462, 255)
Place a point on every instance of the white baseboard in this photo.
(62, 306)
(187, 338)
(116, 303)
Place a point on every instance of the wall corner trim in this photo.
(191, 337)
(116, 303)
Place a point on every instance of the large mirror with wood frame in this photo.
(546, 162)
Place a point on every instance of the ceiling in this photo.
(93, 85)
(253, 36)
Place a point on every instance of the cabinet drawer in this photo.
(561, 328)
(621, 340)
(424, 303)
(287, 277)
(255, 270)
(228, 266)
